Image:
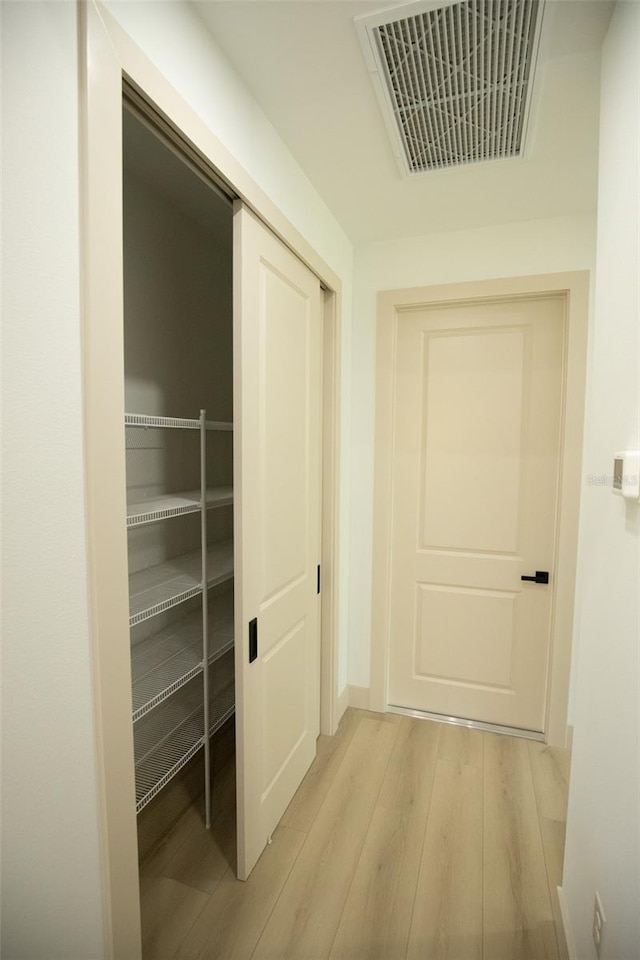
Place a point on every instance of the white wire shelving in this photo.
(175, 504)
(159, 588)
(182, 675)
(164, 662)
(173, 423)
(165, 740)
(169, 736)
(222, 706)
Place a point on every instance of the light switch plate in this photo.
(626, 474)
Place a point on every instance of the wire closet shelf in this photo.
(182, 673)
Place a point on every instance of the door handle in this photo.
(542, 576)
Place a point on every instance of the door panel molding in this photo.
(478, 399)
(277, 462)
(574, 289)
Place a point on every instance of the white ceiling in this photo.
(303, 63)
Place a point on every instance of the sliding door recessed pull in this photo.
(253, 640)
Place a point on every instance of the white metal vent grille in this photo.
(457, 79)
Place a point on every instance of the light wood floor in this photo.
(407, 839)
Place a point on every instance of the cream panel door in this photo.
(475, 483)
(278, 350)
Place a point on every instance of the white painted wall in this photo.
(517, 249)
(51, 891)
(603, 829)
(177, 41)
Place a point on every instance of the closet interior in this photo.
(179, 463)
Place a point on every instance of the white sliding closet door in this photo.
(277, 412)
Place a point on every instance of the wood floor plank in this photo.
(169, 910)
(550, 768)
(306, 917)
(205, 855)
(183, 796)
(377, 915)
(409, 777)
(462, 745)
(553, 834)
(230, 925)
(191, 820)
(153, 865)
(518, 919)
(447, 912)
(410, 825)
(309, 796)
(374, 715)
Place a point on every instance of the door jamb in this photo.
(330, 555)
(108, 56)
(575, 289)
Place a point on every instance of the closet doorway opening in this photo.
(202, 520)
(223, 358)
(178, 371)
(524, 313)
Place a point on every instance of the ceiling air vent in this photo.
(454, 79)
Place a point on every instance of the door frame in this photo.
(108, 58)
(574, 288)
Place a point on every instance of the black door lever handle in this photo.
(542, 576)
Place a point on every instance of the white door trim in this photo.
(107, 57)
(574, 287)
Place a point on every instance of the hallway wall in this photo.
(51, 883)
(603, 824)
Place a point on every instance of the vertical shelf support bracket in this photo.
(205, 616)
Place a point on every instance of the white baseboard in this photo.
(566, 923)
(359, 697)
(569, 742)
(341, 705)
